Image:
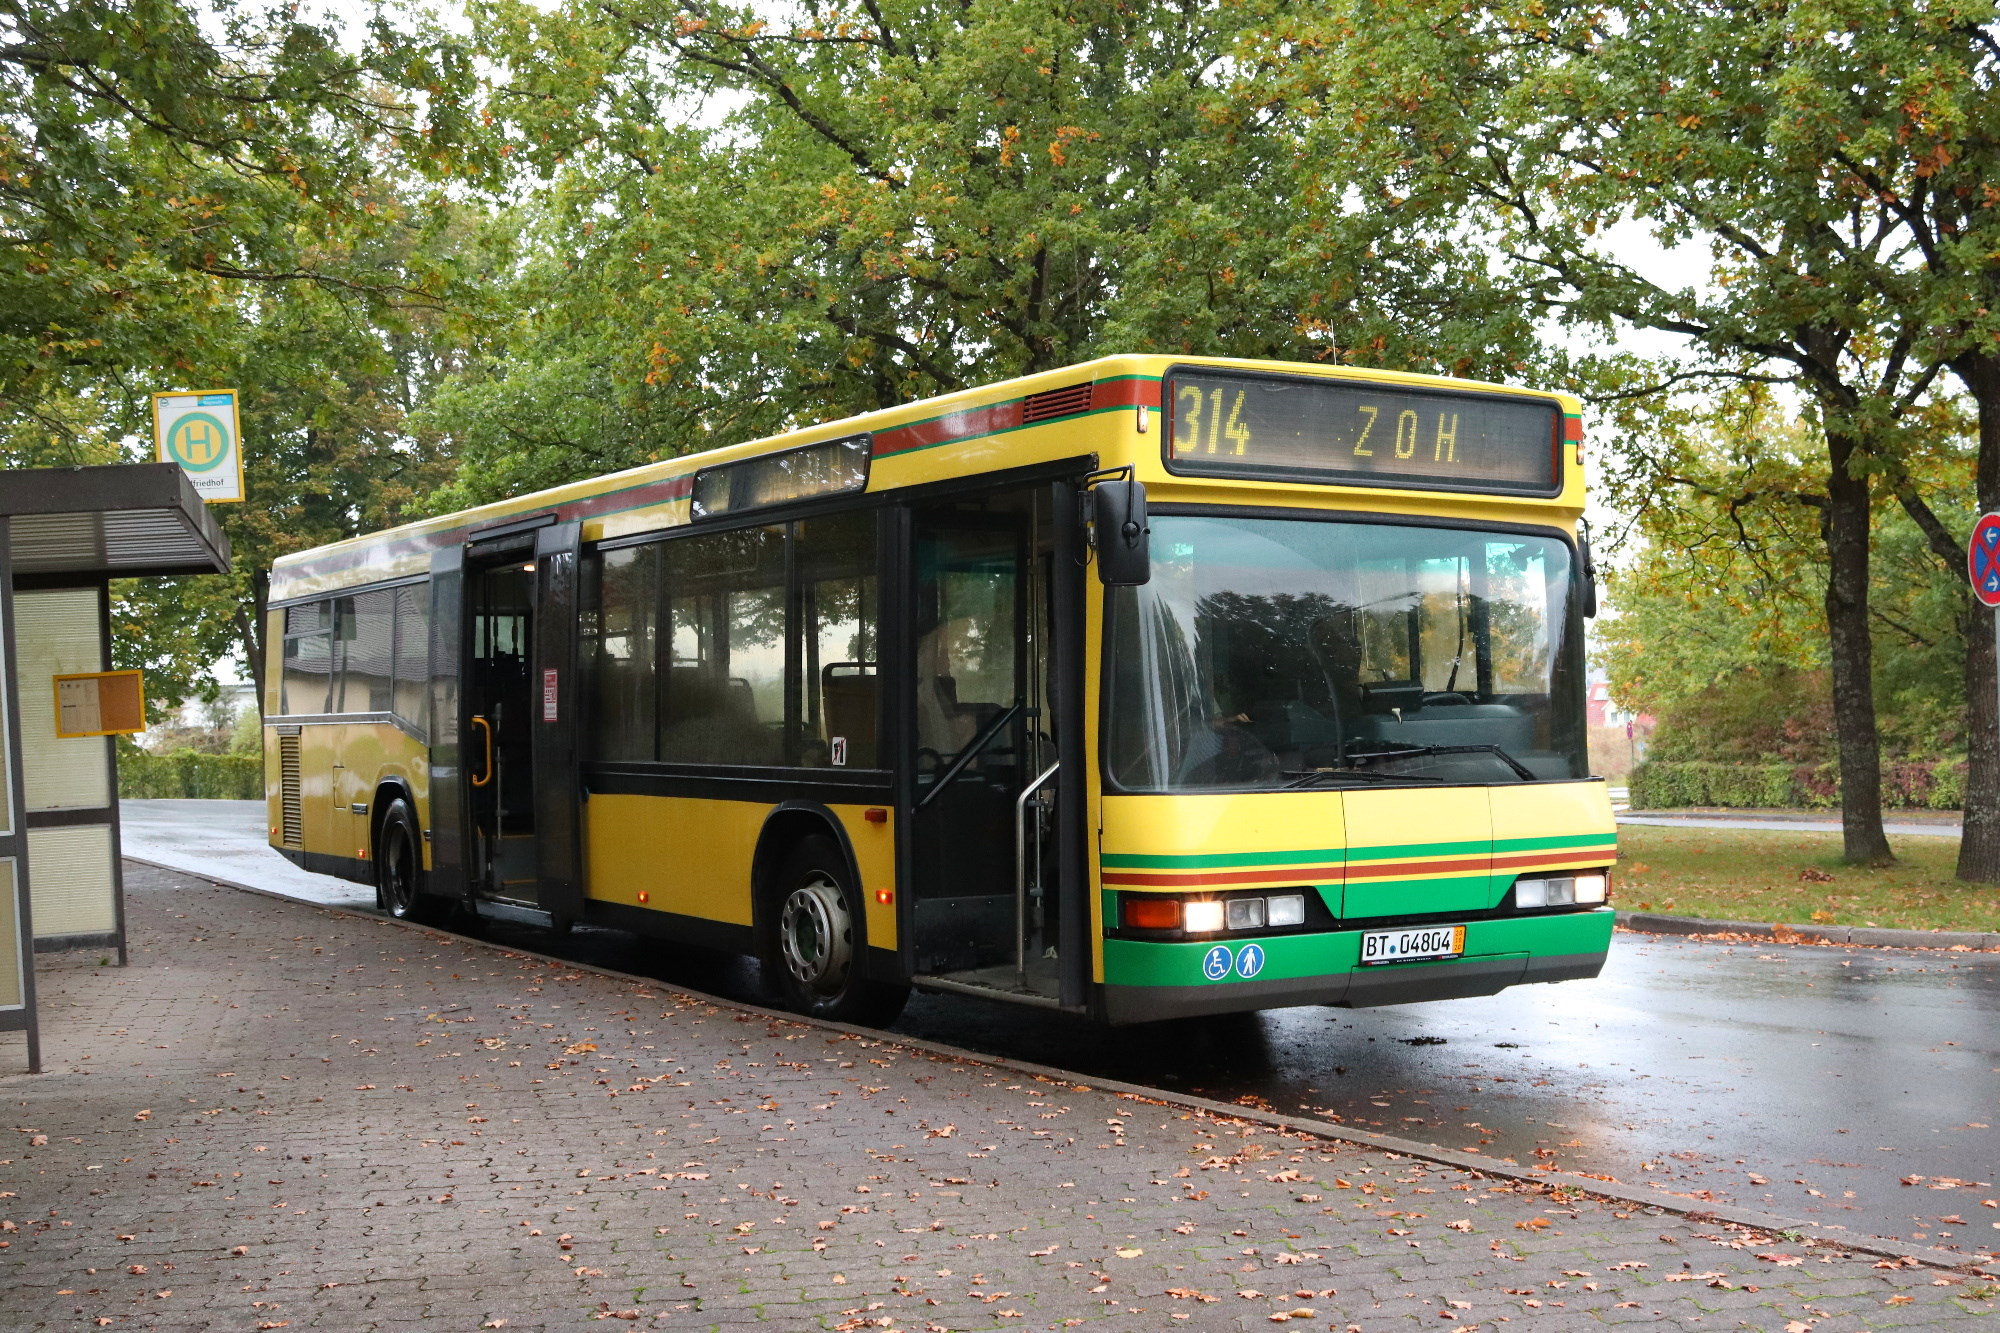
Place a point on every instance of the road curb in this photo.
(1660, 1200)
(1655, 923)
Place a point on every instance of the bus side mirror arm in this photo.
(1114, 517)
(1588, 563)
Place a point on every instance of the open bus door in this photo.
(995, 807)
(504, 781)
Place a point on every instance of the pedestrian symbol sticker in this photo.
(1216, 965)
(1249, 961)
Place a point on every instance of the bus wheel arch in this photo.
(810, 920)
(396, 846)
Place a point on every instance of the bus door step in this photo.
(987, 991)
(530, 916)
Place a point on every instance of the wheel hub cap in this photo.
(816, 935)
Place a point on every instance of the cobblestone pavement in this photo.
(283, 1117)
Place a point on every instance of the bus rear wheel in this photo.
(816, 952)
(399, 867)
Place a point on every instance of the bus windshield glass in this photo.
(1268, 654)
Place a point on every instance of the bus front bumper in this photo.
(1145, 982)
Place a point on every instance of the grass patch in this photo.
(1795, 878)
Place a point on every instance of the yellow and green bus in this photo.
(1151, 687)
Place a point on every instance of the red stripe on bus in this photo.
(987, 420)
(1459, 866)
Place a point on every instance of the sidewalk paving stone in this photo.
(286, 1117)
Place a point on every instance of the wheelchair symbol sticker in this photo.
(1249, 961)
(1215, 966)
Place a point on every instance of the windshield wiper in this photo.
(1521, 770)
(1313, 776)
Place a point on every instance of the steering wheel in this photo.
(1448, 698)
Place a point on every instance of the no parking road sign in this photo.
(1983, 559)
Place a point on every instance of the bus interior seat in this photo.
(712, 719)
(849, 704)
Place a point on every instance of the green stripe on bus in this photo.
(1137, 861)
(1326, 855)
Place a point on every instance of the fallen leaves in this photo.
(146, 1114)
(1463, 1224)
(1190, 1294)
(1132, 1253)
(1782, 1260)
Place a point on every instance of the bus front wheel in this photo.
(399, 866)
(816, 954)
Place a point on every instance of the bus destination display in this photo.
(1352, 433)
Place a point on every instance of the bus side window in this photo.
(365, 624)
(411, 693)
(836, 657)
(308, 671)
(624, 657)
(725, 687)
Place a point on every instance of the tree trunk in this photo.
(250, 629)
(1979, 849)
(1846, 529)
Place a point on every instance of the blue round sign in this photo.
(1249, 961)
(1982, 559)
(1216, 965)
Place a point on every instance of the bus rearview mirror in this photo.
(1123, 541)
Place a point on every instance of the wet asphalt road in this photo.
(1806, 1080)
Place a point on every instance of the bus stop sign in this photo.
(1983, 559)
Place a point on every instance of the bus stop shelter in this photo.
(65, 533)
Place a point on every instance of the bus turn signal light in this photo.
(1151, 913)
(875, 815)
(885, 896)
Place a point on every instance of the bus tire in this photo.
(815, 950)
(399, 867)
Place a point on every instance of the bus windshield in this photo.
(1268, 654)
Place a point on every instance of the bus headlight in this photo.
(1245, 913)
(1201, 916)
(1562, 890)
(1286, 909)
(1557, 892)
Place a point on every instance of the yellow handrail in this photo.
(486, 726)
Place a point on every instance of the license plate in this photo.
(1403, 946)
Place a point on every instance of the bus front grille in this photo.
(292, 821)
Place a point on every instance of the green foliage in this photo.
(753, 222)
(1666, 784)
(189, 774)
(226, 196)
(1720, 624)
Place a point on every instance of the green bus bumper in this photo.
(1144, 982)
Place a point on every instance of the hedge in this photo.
(190, 774)
(1906, 785)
